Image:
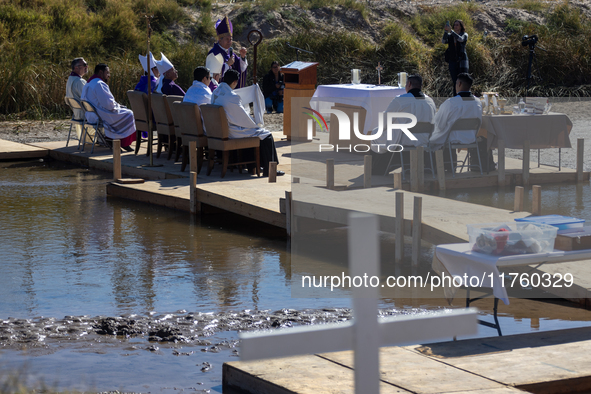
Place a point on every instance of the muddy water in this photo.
(106, 294)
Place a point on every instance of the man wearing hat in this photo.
(118, 121)
(169, 75)
(142, 85)
(214, 63)
(223, 47)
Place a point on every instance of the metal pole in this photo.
(255, 44)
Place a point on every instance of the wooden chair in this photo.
(467, 127)
(177, 124)
(139, 106)
(191, 130)
(164, 124)
(218, 132)
(76, 119)
(97, 126)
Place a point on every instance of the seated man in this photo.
(75, 85)
(239, 121)
(199, 92)
(463, 105)
(118, 121)
(415, 102)
(169, 75)
(142, 85)
(273, 87)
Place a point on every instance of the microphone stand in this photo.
(298, 50)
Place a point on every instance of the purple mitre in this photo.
(224, 26)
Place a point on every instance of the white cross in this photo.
(364, 334)
(379, 68)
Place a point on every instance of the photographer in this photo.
(273, 86)
(455, 54)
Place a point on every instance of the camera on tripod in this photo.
(529, 40)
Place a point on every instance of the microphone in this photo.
(231, 51)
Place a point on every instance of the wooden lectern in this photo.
(300, 81)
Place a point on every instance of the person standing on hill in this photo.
(74, 87)
(455, 54)
(223, 47)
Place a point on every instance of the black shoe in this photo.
(128, 148)
(279, 173)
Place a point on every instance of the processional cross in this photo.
(379, 68)
(365, 333)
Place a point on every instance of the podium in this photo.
(300, 81)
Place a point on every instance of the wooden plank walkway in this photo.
(14, 151)
(542, 363)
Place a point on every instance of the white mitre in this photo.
(144, 63)
(214, 63)
(163, 64)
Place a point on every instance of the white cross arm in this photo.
(334, 337)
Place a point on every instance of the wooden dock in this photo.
(541, 363)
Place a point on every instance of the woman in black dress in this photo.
(455, 55)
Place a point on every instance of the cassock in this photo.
(464, 105)
(169, 88)
(239, 65)
(198, 93)
(213, 84)
(118, 121)
(142, 85)
(414, 102)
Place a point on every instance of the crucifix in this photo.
(379, 68)
(365, 334)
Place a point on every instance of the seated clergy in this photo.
(74, 87)
(214, 63)
(415, 102)
(462, 106)
(154, 74)
(118, 121)
(199, 92)
(168, 75)
(240, 123)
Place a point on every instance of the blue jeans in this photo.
(271, 103)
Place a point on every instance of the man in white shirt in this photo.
(118, 121)
(199, 92)
(74, 87)
(415, 102)
(462, 106)
(240, 123)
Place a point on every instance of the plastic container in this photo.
(505, 239)
(561, 222)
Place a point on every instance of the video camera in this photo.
(529, 40)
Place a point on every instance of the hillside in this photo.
(39, 38)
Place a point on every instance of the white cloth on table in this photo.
(451, 110)
(118, 121)
(199, 93)
(240, 123)
(423, 108)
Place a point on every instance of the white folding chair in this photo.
(424, 131)
(466, 129)
(76, 108)
(98, 128)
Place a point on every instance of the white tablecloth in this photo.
(459, 260)
(374, 98)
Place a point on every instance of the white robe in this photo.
(451, 110)
(74, 88)
(118, 121)
(199, 93)
(253, 94)
(424, 110)
(240, 123)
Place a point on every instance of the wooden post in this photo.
(580, 158)
(116, 160)
(192, 189)
(536, 208)
(330, 174)
(399, 228)
(295, 179)
(417, 218)
(366, 171)
(414, 171)
(421, 168)
(193, 156)
(397, 180)
(518, 204)
(525, 170)
(272, 171)
(501, 159)
(288, 212)
(440, 168)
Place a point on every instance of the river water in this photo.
(72, 258)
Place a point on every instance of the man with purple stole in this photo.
(168, 74)
(223, 47)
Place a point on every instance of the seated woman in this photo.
(273, 86)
